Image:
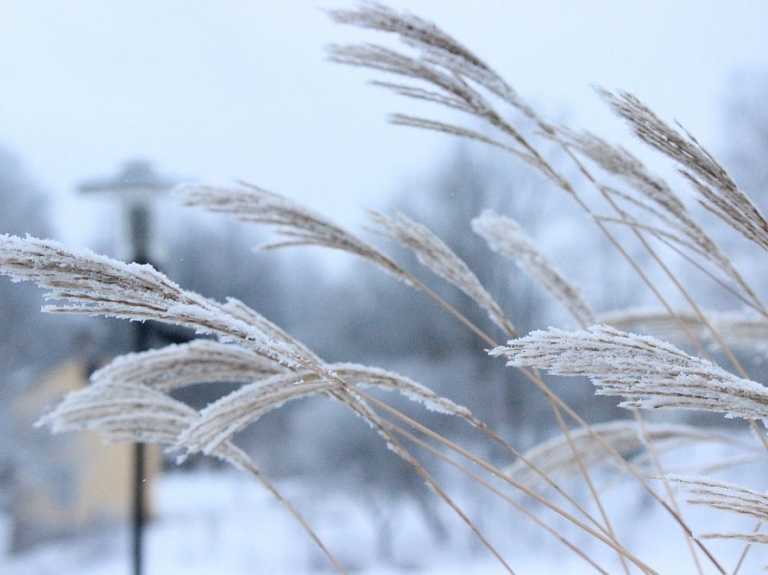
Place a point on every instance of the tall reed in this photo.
(128, 400)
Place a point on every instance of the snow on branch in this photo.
(648, 372)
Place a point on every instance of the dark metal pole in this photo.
(138, 508)
(139, 227)
(135, 184)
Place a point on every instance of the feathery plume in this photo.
(121, 412)
(653, 196)
(199, 361)
(94, 284)
(736, 329)
(300, 226)
(556, 458)
(221, 420)
(440, 259)
(727, 497)
(306, 228)
(650, 373)
(506, 237)
(437, 50)
(98, 285)
(131, 412)
(719, 193)
(456, 77)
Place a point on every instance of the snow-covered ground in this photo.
(224, 522)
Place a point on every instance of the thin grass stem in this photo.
(532, 516)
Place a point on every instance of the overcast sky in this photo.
(225, 90)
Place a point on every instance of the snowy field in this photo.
(223, 522)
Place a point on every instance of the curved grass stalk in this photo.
(667, 486)
(590, 484)
(261, 207)
(200, 200)
(747, 547)
(677, 283)
(134, 412)
(642, 480)
(254, 349)
(304, 227)
(479, 480)
(524, 489)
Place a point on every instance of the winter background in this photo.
(218, 92)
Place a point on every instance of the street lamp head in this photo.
(136, 182)
(136, 185)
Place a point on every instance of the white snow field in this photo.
(224, 522)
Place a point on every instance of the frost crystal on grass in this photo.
(719, 193)
(199, 361)
(98, 285)
(650, 373)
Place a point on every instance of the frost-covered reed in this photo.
(128, 400)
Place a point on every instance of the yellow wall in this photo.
(88, 484)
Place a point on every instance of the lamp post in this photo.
(135, 186)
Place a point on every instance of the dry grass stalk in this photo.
(221, 420)
(437, 50)
(128, 399)
(556, 459)
(728, 497)
(98, 285)
(440, 259)
(302, 227)
(719, 193)
(506, 237)
(654, 198)
(455, 76)
(650, 373)
(737, 329)
(125, 411)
